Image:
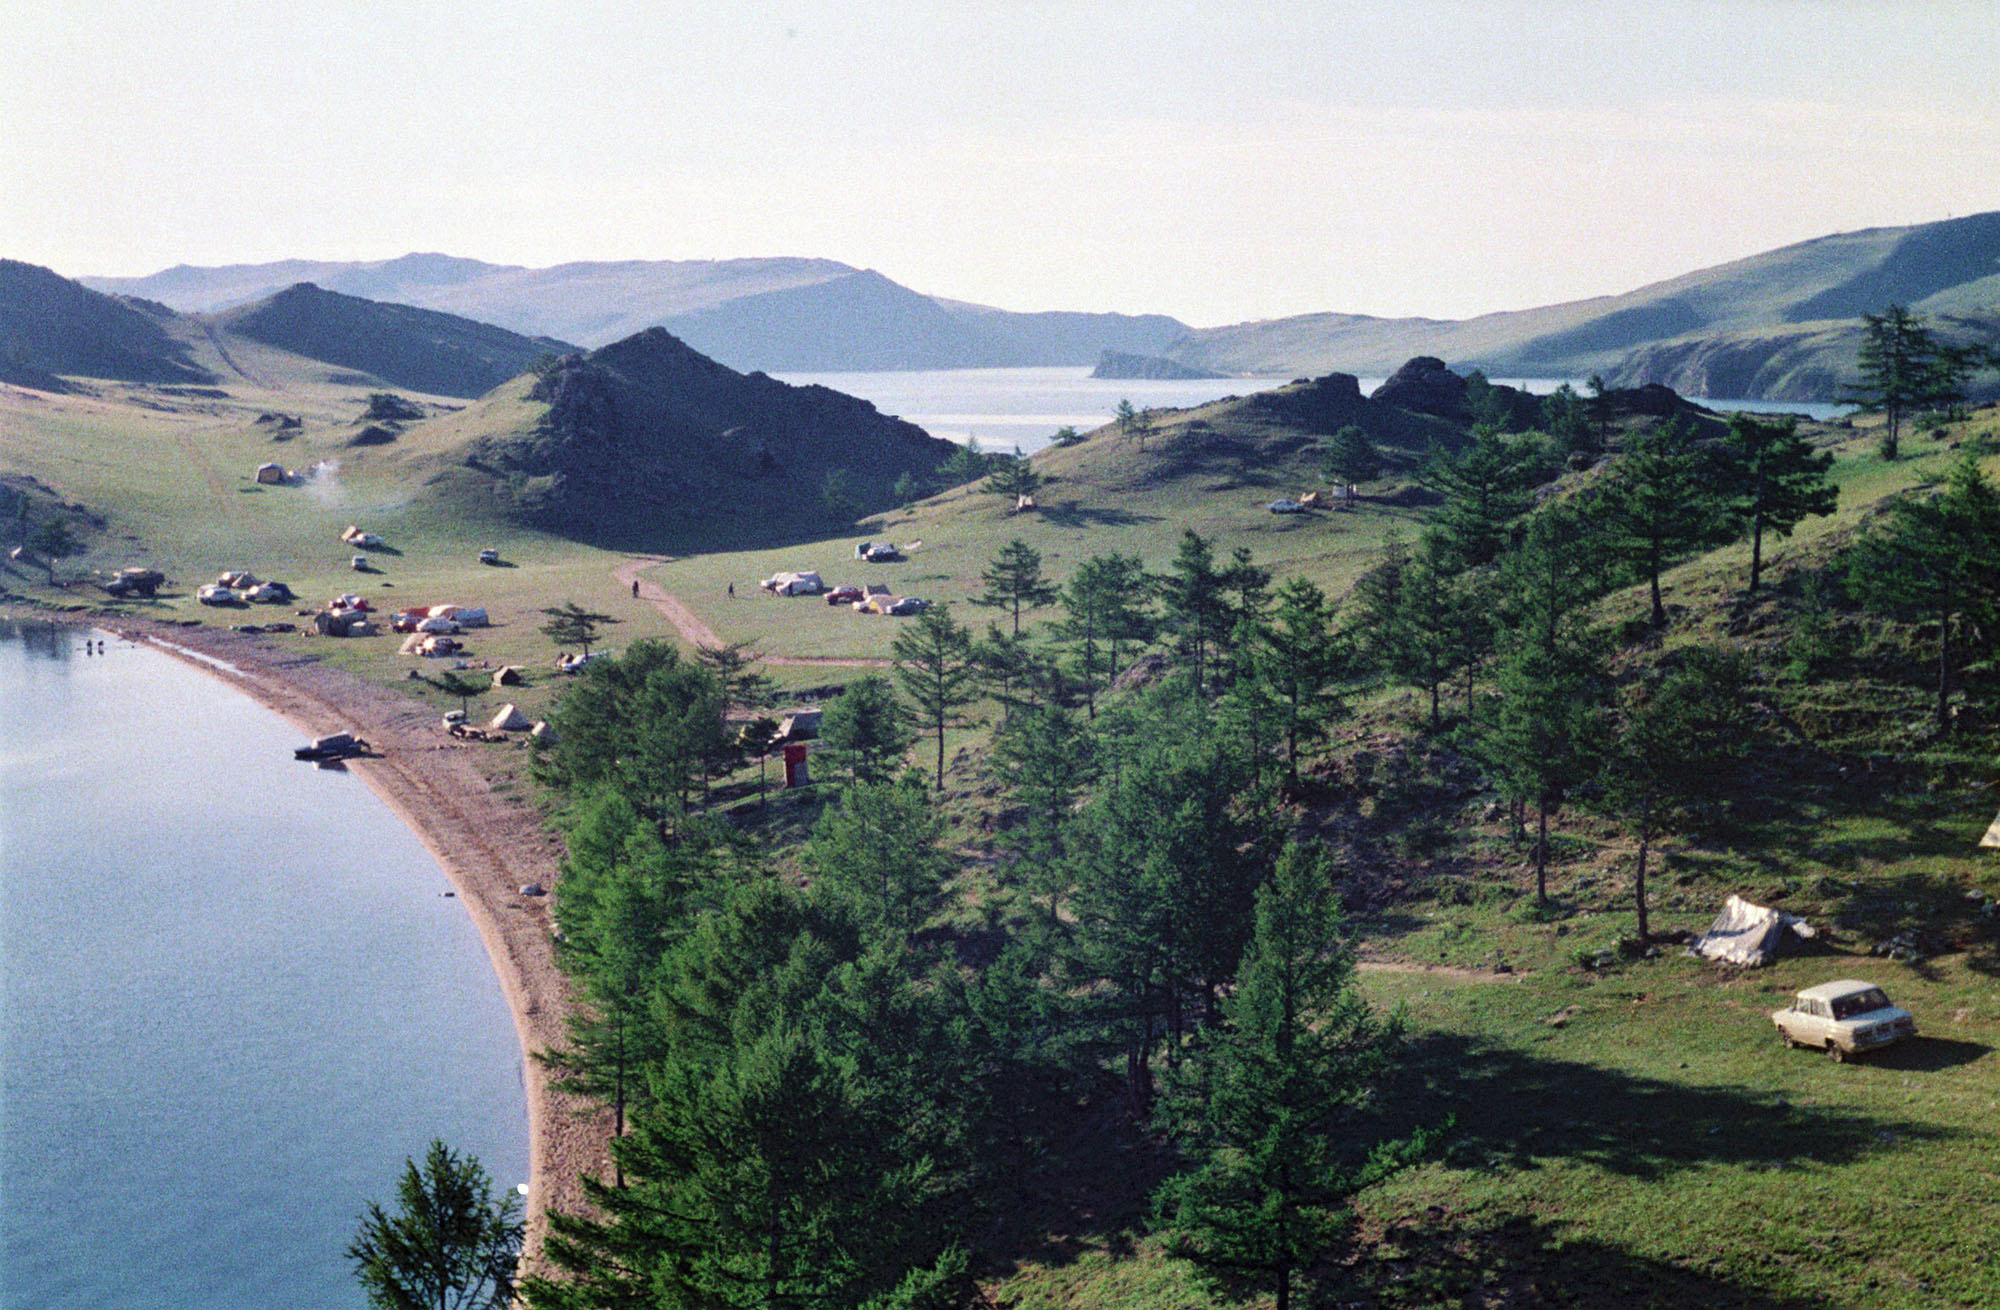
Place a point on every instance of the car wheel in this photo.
(1836, 1053)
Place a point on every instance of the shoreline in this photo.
(488, 845)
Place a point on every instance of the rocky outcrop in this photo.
(1425, 385)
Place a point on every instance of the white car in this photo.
(1844, 1018)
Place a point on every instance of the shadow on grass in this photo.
(1514, 1111)
(1071, 515)
(1529, 1262)
(1926, 1055)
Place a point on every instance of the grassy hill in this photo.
(1813, 291)
(51, 326)
(421, 349)
(648, 444)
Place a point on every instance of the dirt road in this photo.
(696, 633)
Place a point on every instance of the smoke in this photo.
(323, 482)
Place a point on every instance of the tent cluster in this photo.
(793, 584)
(354, 536)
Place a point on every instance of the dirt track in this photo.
(696, 633)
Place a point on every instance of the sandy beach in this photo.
(490, 846)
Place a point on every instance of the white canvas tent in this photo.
(509, 719)
(1751, 935)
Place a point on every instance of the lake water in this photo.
(232, 997)
(1002, 408)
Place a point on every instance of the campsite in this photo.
(1538, 1027)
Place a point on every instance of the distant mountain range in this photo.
(801, 315)
(1780, 325)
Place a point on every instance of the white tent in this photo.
(509, 719)
(1751, 935)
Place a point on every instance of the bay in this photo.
(233, 997)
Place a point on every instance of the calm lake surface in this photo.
(232, 997)
(1002, 408)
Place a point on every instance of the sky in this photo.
(1219, 161)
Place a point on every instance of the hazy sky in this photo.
(1218, 161)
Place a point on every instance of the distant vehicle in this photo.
(339, 746)
(903, 605)
(881, 552)
(215, 593)
(1286, 507)
(489, 556)
(843, 595)
(1845, 1018)
(359, 563)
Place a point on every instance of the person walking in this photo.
(635, 589)
(732, 591)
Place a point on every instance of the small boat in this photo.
(339, 746)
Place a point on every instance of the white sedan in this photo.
(1844, 1018)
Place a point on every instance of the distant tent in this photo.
(507, 675)
(510, 719)
(270, 474)
(1752, 935)
(543, 733)
(412, 644)
(1991, 840)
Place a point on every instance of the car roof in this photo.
(1826, 991)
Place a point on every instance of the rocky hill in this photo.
(796, 314)
(420, 349)
(51, 327)
(649, 444)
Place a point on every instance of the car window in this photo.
(1846, 1007)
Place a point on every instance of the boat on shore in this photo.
(338, 746)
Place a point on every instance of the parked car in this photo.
(903, 605)
(489, 556)
(1845, 1018)
(881, 552)
(214, 593)
(843, 595)
(1284, 506)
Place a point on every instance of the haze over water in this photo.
(232, 998)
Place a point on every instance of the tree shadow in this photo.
(1513, 1111)
(1073, 515)
(1525, 1261)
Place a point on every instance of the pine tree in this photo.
(1264, 1109)
(1014, 582)
(1681, 742)
(1045, 759)
(862, 734)
(1897, 370)
(1351, 457)
(1197, 602)
(1779, 481)
(1295, 656)
(1658, 503)
(934, 668)
(570, 624)
(1485, 489)
(879, 851)
(452, 1244)
(1936, 559)
(1105, 606)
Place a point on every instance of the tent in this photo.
(1992, 837)
(543, 733)
(507, 675)
(509, 719)
(1752, 935)
(270, 475)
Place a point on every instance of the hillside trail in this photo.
(699, 634)
(1454, 972)
(215, 340)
